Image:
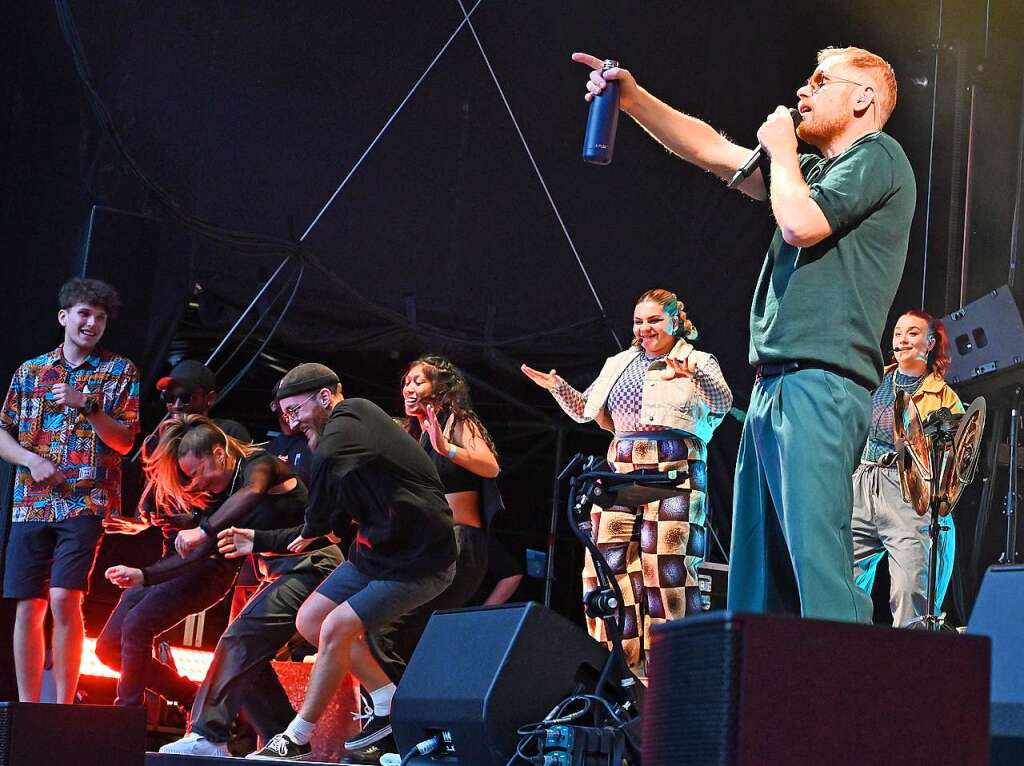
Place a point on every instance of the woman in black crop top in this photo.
(195, 465)
(439, 413)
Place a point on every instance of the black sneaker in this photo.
(368, 756)
(376, 728)
(281, 748)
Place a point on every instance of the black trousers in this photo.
(126, 641)
(241, 678)
(393, 645)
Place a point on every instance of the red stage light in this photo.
(191, 663)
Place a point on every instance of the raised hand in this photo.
(435, 432)
(546, 380)
(187, 540)
(233, 543)
(679, 368)
(599, 79)
(776, 134)
(124, 577)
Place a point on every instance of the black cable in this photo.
(259, 321)
(241, 373)
(615, 627)
(241, 241)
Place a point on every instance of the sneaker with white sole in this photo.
(194, 744)
(281, 747)
(376, 728)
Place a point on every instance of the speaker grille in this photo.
(5, 735)
(689, 713)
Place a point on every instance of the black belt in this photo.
(775, 369)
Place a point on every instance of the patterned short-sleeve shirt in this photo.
(63, 435)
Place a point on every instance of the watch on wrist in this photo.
(91, 406)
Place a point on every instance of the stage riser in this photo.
(72, 735)
(161, 759)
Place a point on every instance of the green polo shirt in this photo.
(828, 303)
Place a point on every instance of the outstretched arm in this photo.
(687, 137)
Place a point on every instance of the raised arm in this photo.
(687, 137)
(467, 448)
(572, 402)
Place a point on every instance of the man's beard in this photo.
(312, 439)
(316, 428)
(819, 130)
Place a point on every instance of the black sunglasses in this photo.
(169, 397)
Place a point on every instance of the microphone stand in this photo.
(1009, 555)
(932, 619)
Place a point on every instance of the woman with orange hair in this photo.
(883, 522)
(195, 465)
(662, 399)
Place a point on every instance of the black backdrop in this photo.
(251, 114)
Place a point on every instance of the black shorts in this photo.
(378, 602)
(51, 554)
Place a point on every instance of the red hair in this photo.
(939, 357)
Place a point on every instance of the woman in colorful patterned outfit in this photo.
(662, 399)
(883, 522)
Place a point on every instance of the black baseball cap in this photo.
(308, 376)
(190, 374)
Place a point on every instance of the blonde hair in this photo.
(180, 436)
(877, 67)
(674, 308)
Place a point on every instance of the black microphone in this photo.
(751, 164)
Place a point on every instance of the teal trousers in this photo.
(792, 549)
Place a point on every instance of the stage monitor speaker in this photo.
(999, 614)
(40, 734)
(479, 674)
(987, 345)
(738, 690)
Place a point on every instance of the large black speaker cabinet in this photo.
(83, 735)
(479, 674)
(999, 614)
(739, 689)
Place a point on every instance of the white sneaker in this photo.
(194, 744)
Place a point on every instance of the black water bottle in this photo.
(599, 141)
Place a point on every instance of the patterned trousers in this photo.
(653, 550)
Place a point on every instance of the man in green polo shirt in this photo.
(816, 322)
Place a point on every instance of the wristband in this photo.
(452, 452)
(91, 406)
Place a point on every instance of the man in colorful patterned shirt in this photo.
(68, 418)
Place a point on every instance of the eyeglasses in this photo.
(170, 397)
(291, 412)
(819, 80)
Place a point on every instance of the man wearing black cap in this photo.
(367, 469)
(143, 613)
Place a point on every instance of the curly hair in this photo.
(185, 435)
(92, 292)
(939, 358)
(674, 308)
(450, 394)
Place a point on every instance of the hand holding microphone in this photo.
(776, 134)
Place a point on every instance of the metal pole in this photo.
(1010, 555)
(549, 578)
